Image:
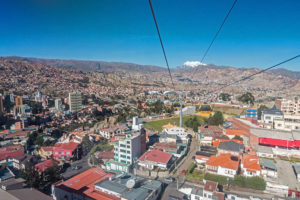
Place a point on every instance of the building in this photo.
(251, 113)
(66, 151)
(250, 165)
(20, 125)
(155, 159)
(20, 162)
(46, 152)
(188, 110)
(288, 122)
(289, 106)
(99, 185)
(268, 168)
(182, 136)
(268, 116)
(231, 147)
(277, 138)
(136, 125)
(81, 186)
(58, 104)
(75, 102)
(15, 189)
(223, 164)
(127, 150)
(207, 134)
(209, 192)
(201, 157)
(19, 101)
(111, 132)
(13, 151)
(42, 166)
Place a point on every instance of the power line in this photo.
(262, 71)
(161, 43)
(217, 33)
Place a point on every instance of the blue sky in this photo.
(258, 33)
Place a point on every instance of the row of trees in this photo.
(194, 122)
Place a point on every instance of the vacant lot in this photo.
(156, 125)
(226, 110)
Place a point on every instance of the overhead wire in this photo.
(161, 43)
(254, 74)
(220, 28)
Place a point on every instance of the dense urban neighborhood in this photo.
(74, 144)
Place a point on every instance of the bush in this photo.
(216, 178)
(191, 167)
(254, 182)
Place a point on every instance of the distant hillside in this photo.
(91, 65)
(285, 72)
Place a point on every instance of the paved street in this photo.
(188, 158)
(82, 164)
(286, 175)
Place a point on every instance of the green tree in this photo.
(261, 107)
(193, 123)
(247, 98)
(216, 119)
(225, 97)
(86, 145)
(237, 137)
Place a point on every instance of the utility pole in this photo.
(180, 120)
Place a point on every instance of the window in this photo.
(68, 153)
(128, 146)
(128, 142)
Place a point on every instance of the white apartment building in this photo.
(288, 106)
(127, 150)
(268, 116)
(288, 123)
(58, 104)
(75, 102)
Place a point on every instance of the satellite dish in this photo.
(130, 183)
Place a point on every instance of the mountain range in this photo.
(103, 66)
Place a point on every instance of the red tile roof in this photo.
(210, 186)
(11, 151)
(224, 161)
(251, 162)
(87, 178)
(156, 156)
(71, 146)
(234, 132)
(106, 155)
(45, 165)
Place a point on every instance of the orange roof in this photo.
(234, 132)
(225, 161)
(97, 195)
(89, 177)
(250, 162)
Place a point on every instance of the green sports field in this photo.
(156, 125)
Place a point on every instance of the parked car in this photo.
(183, 172)
(76, 167)
(169, 179)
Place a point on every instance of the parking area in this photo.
(286, 175)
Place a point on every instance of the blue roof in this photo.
(137, 194)
(109, 185)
